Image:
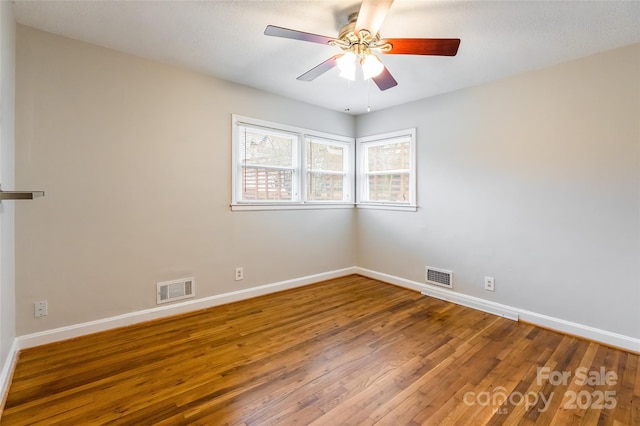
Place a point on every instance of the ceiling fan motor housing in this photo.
(358, 43)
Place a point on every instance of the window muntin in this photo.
(387, 169)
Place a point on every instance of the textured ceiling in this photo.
(225, 39)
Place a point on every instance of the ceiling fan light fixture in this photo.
(347, 62)
(371, 66)
(347, 66)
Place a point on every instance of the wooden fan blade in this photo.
(385, 80)
(422, 46)
(274, 31)
(320, 69)
(371, 15)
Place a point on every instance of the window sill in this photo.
(308, 206)
(397, 207)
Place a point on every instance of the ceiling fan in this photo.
(360, 41)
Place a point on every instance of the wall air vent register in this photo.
(169, 291)
(440, 277)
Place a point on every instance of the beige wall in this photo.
(134, 157)
(533, 180)
(7, 208)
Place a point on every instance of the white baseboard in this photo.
(7, 371)
(603, 336)
(596, 334)
(444, 294)
(76, 330)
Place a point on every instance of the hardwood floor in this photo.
(350, 351)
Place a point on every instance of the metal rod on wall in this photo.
(20, 195)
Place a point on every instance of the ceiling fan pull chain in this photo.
(368, 95)
(347, 109)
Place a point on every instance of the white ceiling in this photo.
(225, 39)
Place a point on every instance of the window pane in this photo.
(393, 156)
(266, 184)
(326, 157)
(262, 148)
(389, 188)
(325, 187)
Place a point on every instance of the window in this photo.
(387, 171)
(269, 160)
(327, 166)
(279, 167)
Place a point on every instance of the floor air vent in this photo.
(169, 291)
(439, 277)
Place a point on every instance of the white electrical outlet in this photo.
(41, 309)
(239, 274)
(489, 284)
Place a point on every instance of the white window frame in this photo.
(294, 168)
(299, 176)
(361, 170)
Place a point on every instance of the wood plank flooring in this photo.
(350, 351)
